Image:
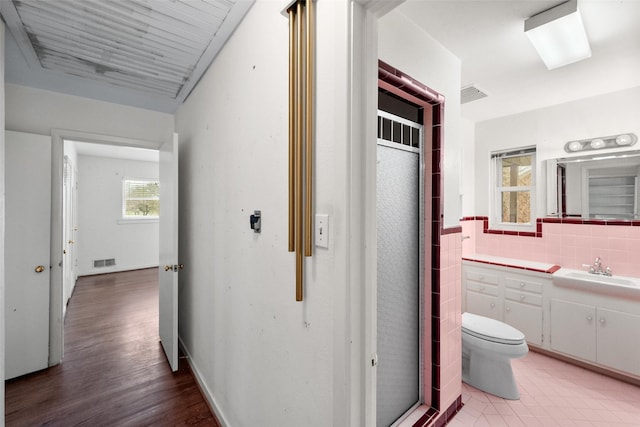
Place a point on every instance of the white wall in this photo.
(2, 127)
(39, 111)
(468, 167)
(405, 46)
(101, 235)
(549, 129)
(264, 358)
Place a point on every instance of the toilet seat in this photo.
(490, 330)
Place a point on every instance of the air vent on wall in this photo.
(471, 93)
(99, 263)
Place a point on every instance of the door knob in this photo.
(71, 242)
(168, 268)
(39, 269)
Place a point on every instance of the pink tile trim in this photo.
(550, 270)
(540, 221)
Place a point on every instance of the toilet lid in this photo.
(490, 329)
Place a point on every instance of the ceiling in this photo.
(497, 57)
(144, 53)
(151, 53)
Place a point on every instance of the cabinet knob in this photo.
(508, 308)
(602, 320)
(589, 318)
(522, 284)
(482, 288)
(493, 305)
(522, 297)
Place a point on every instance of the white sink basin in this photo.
(609, 285)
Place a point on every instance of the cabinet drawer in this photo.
(523, 297)
(523, 284)
(483, 288)
(482, 305)
(481, 276)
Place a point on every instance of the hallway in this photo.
(114, 370)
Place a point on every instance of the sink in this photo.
(609, 285)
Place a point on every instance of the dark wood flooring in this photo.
(114, 371)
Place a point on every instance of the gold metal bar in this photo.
(292, 125)
(298, 225)
(308, 214)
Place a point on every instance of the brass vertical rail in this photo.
(308, 214)
(301, 149)
(292, 96)
(299, 165)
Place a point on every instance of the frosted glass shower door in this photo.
(398, 275)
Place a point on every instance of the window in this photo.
(140, 199)
(515, 190)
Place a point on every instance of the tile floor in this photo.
(553, 393)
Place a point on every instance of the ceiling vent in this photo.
(471, 93)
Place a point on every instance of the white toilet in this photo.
(488, 346)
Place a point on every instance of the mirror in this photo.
(598, 186)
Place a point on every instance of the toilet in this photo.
(488, 346)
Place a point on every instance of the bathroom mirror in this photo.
(598, 186)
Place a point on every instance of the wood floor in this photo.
(114, 372)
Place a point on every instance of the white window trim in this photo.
(496, 191)
(134, 219)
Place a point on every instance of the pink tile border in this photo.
(540, 221)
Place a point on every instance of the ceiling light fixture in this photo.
(615, 141)
(558, 35)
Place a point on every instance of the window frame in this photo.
(131, 219)
(497, 189)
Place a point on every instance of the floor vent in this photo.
(99, 263)
(471, 93)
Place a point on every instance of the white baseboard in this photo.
(203, 386)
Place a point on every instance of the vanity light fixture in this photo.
(558, 35)
(603, 142)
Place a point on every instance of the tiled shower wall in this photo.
(565, 244)
(450, 319)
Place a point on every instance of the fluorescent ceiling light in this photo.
(559, 35)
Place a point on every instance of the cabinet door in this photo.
(573, 329)
(616, 329)
(525, 318)
(483, 305)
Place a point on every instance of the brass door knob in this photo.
(71, 242)
(168, 268)
(181, 266)
(39, 269)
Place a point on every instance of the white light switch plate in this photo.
(322, 230)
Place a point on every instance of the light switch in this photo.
(322, 230)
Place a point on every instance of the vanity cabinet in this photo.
(596, 334)
(482, 292)
(510, 295)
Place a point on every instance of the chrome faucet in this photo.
(596, 268)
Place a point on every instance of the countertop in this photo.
(541, 267)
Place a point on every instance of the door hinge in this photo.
(374, 360)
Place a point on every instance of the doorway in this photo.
(60, 234)
(431, 109)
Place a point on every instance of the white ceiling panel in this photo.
(152, 48)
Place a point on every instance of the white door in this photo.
(69, 230)
(168, 272)
(27, 259)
